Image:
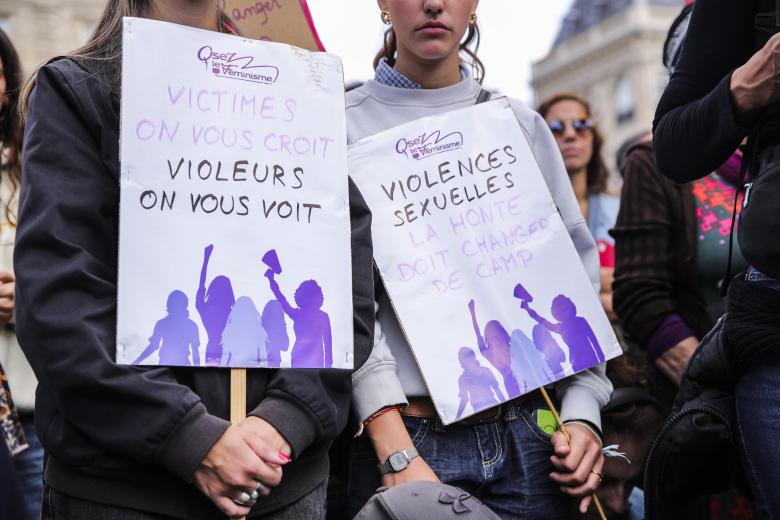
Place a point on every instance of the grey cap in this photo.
(428, 500)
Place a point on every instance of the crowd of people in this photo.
(694, 299)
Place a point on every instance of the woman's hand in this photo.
(234, 465)
(267, 433)
(578, 463)
(7, 290)
(756, 84)
(672, 363)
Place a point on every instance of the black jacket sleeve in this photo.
(311, 406)
(645, 235)
(695, 128)
(66, 269)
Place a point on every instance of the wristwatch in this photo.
(398, 461)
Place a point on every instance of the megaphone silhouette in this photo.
(522, 294)
(272, 261)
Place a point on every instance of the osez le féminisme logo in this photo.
(428, 144)
(233, 65)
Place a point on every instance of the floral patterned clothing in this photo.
(10, 426)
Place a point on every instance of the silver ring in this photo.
(601, 477)
(260, 487)
(244, 499)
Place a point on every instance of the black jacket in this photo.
(132, 436)
(696, 452)
(656, 246)
(696, 128)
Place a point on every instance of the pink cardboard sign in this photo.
(283, 21)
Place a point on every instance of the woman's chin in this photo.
(433, 52)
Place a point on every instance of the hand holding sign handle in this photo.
(522, 294)
(566, 434)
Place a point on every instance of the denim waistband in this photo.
(509, 411)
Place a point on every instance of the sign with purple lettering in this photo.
(488, 288)
(234, 234)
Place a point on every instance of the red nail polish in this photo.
(284, 456)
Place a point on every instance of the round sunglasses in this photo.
(558, 126)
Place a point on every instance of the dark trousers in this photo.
(11, 503)
(59, 506)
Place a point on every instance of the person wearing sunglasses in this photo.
(576, 134)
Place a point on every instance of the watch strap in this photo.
(386, 467)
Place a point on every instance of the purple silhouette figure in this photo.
(553, 354)
(214, 308)
(584, 348)
(313, 343)
(528, 361)
(244, 338)
(495, 348)
(275, 327)
(477, 384)
(175, 336)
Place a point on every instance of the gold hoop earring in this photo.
(385, 15)
(473, 19)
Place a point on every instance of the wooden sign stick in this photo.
(568, 439)
(237, 397)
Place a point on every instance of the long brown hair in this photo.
(598, 174)
(105, 44)
(10, 127)
(469, 47)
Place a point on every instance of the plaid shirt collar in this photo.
(387, 75)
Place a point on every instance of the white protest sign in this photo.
(234, 215)
(486, 283)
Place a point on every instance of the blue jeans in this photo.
(758, 417)
(757, 394)
(506, 464)
(29, 469)
(59, 506)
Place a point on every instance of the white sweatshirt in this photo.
(391, 374)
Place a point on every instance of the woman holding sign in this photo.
(132, 442)
(500, 454)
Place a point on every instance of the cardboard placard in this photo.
(285, 21)
(483, 277)
(234, 212)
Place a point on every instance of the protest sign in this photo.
(234, 216)
(487, 285)
(286, 21)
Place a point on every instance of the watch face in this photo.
(398, 461)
